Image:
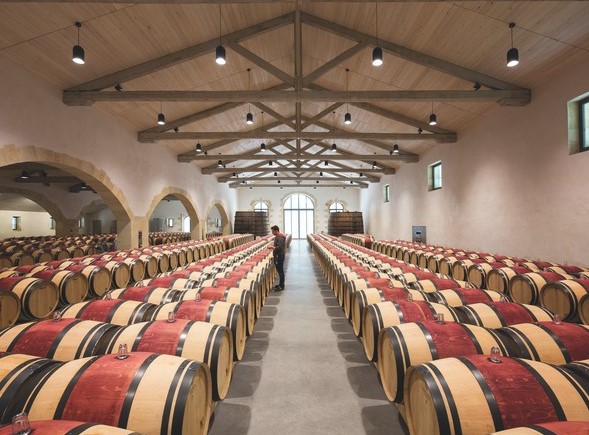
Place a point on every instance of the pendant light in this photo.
(161, 119)
(263, 145)
(512, 53)
(78, 51)
(395, 150)
(24, 175)
(377, 52)
(198, 148)
(276, 174)
(432, 117)
(326, 163)
(347, 116)
(333, 145)
(321, 174)
(220, 164)
(249, 118)
(270, 163)
(220, 55)
(374, 165)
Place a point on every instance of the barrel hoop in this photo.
(113, 311)
(472, 315)
(401, 356)
(78, 430)
(60, 408)
(499, 341)
(582, 388)
(16, 340)
(399, 313)
(439, 405)
(490, 398)
(218, 339)
(139, 337)
(473, 339)
(53, 348)
(430, 341)
(439, 298)
(233, 317)
(499, 315)
(107, 348)
(555, 403)
(542, 430)
(139, 310)
(530, 311)
(149, 293)
(180, 398)
(464, 302)
(27, 298)
(524, 343)
(130, 396)
(558, 341)
(210, 311)
(8, 395)
(29, 400)
(182, 338)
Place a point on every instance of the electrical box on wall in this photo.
(418, 234)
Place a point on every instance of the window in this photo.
(15, 223)
(387, 193)
(51, 223)
(578, 124)
(336, 207)
(299, 215)
(584, 124)
(260, 206)
(435, 176)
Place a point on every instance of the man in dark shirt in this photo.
(279, 254)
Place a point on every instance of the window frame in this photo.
(432, 178)
(583, 110)
(337, 209)
(387, 193)
(267, 209)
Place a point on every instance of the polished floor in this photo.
(304, 371)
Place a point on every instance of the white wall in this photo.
(31, 224)
(105, 216)
(212, 220)
(509, 183)
(321, 196)
(170, 209)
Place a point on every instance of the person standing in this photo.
(279, 249)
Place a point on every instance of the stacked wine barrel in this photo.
(251, 222)
(347, 222)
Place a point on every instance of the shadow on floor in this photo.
(381, 420)
(245, 381)
(230, 418)
(362, 379)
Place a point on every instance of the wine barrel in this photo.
(72, 286)
(136, 267)
(580, 369)
(566, 269)
(416, 343)
(147, 294)
(250, 222)
(5, 261)
(584, 309)
(409, 277)
(60, 340)
(472, 395)
(59, 427)
(551, 428)
(115, 311)
(199, 341)
(465, 296)
(119, 271)
(8, 273)
(29, 268)
(525, 288)
(563, 297)
(41, 255)
(347, 222)
(391, 313)
(171, 282)
(98, 277)
(122, 393)
(9, 308)
(22, 258)
(373, 295)
(38, 297)
(217, 312)
(550, 342)
(498, 279)
(499, 314)
(435, 285)
(477, 273)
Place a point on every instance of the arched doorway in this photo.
(299, 215)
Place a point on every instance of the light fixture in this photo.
(263, 147)
(198, 148)
(361, 174)
(377, 52)
(234, 174)
(249, 118)
(326, 163)
(220, 55)
(333, 147)
(78, 51)
(24, 175)
(374, 165)
(321, 174)
(276, 174)
(270, 163)
(314, 187)
(220, 163)
(419, 130)
(395, 149)
(118, 87)
(206, 153)
(432, 117)
(347, 116)
(176, 130)
(161, 119)
(476, 86)
(512, 53)
(317, 181)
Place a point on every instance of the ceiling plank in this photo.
(266, 66)
(328, 66)
(305, 156)
(275, 115)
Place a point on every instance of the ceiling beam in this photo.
(276, 115)
(180, 56)
(298, 185)
(209, 171)
(513, 97)
(328, 66)
(265, 65)
(47, 179)
(197, 2)
(304, 156)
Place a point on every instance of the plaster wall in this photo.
(170, 209)
(509, 183)
(30, 224)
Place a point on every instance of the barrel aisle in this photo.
(303, 370)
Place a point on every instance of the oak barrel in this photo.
(563, 297)
(115, 311)
(526, 288)
(9, 308)
(38, 297)
(67, 427)
(499, 314)
(464, 296)
(98, 277)
(552, 428)
(498, 279)
(72, 286)
(151, 295)
(437, 284)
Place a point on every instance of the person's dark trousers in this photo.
(279, 261)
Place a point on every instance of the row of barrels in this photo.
(365, 240)
(235, 240)
(439, 371)
(162, 238)
(346, 222)
(199, 334)
(563, 289)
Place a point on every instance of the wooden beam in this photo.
(505, 97)
(306, 156)
(266, 66)
(180, 56)
(197, 2)
(328, 66)
(244, 170)
(302, 186)
(46, 179)
(322, 114)
(275, 115)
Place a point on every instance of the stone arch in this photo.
(184, 197)
(49, 206)
(96, 178)
(225, 221)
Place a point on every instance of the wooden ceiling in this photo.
(162, 55)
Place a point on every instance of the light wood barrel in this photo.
(199, 341)
(172, 282)
(9, 308)
(409, 277)
(119, 271)
(552, 428)
(163, 261)
(583, 275)
(525, 288)
(472, 395)
(40, 255)
(498, 279)
(59, 427)
(384, 314)
(550, 342)
(584, 309)
(99, 278)
(579, 369)
(22, 258)
(8, 274)
(477, 273)
(147, 294)
(499, 314)
(563, 297)
(217, 312)
(61, 340)
(30, 268)
(464, 296)
(136, 267)
(38, 297)
(435, 285)
(72, 286)
(146, 392)
(5, 261)
(115, 311)
(415, 343)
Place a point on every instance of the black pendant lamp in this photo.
(512, 53)
(78, 51)
(161, 119)
(377, 52)
(220, 54)
(347, 116)
(432, 117)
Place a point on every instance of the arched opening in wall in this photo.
(172, 212)
(217, 220)
(97, 218)
(299, 215)
(63, 186)
(21, 216)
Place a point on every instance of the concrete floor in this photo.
(304, 371)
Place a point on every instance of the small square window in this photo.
(51, 223)
(434, 176)
(584, 124)
(387, 193)
(15, 223)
